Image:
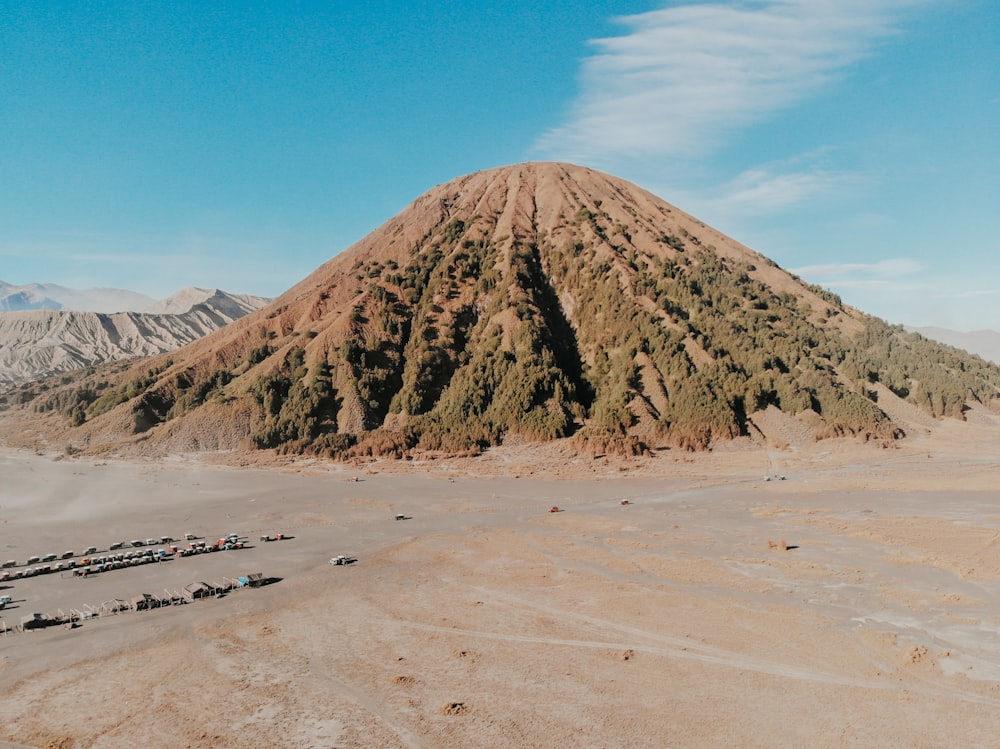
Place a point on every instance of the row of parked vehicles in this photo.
(68, 554)
(90, 550)
(232, 541)
(91, 564)
(139, 542)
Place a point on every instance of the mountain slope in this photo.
(42, 343)
(539, 300)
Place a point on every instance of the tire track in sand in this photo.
(678, 647)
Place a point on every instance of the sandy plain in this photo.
(487, 621)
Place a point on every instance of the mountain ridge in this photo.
(36, 296)
(35, 344)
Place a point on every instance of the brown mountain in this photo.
(541, 300)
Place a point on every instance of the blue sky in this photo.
(240, 145)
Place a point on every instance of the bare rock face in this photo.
(533, 302)
(41, 343)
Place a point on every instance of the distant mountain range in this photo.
(39, 337)
(35, 296)
(984, 343)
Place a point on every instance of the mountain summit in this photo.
(540, 300)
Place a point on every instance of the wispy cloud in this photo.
(681, 79)
(759, 190)
(978, 293)
(907, 291)
(860, 274)
(770, 188)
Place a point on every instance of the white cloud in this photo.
(858, 274)
(684, 77)
(909, 291)
(757, 190)
(978, 293)
(767, 189)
